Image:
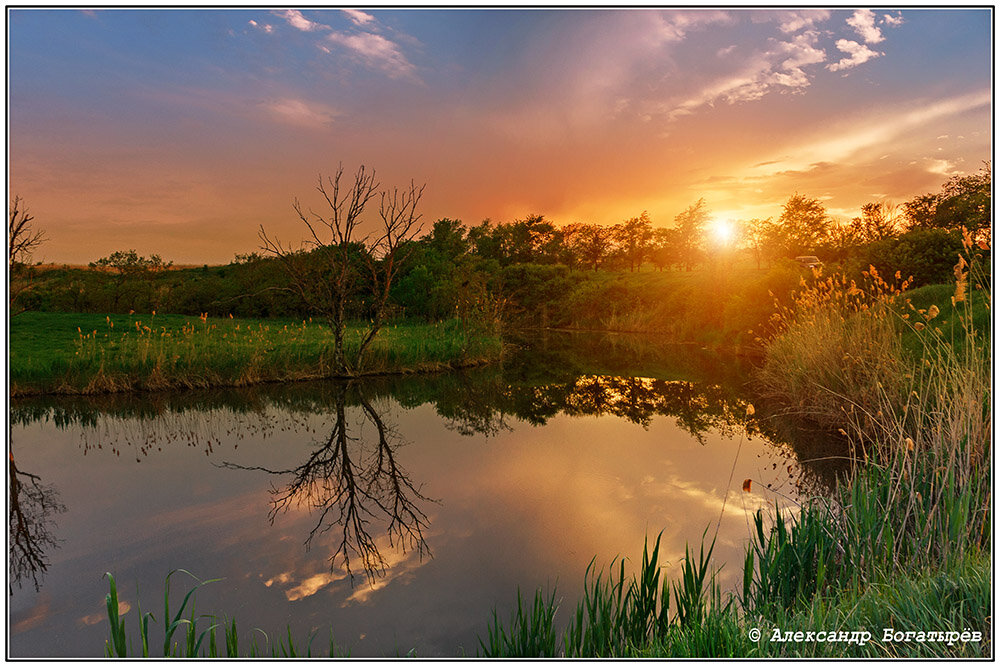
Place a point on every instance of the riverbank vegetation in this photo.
(897, 563)
(80, 353)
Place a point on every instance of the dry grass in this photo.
(921, 422)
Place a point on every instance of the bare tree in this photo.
(22, 240)
(326, 270)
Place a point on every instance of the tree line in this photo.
(474, 272)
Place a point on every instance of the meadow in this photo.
(89, 353)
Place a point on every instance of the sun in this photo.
(722, 231)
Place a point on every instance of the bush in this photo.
(926, 254)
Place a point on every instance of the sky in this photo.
(181, 131)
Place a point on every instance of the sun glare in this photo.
(722, 232)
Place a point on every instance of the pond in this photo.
(394, 513)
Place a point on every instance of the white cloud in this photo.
(266, 27)
(891, 20)
(300, 22)
(943, 167)
(299, 112)
(856, 136)
(358, 17)
(674, 26)
(794, 21)
(857, 54)
(376, 51)
(781, 67)
(863, 22)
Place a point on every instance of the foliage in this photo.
(903, 544)
(128, 262)
(194, 644)
(803, 225)
(690, 235)
(927, 255)
(964, 201)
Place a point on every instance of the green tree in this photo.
(879, 220)
(804, 224)
(761, 237)
(663, 247)
(587, 244)
(126, 267)
(690, 233)
(964, 201)
(633, 236)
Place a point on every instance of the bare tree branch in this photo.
(326, 270)
(22, 241)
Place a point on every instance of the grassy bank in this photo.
(86, 353)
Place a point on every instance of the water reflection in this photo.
(350, 478)
(31, 524)
(351, 481)
(515, 475)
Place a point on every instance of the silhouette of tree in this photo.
(964, 201)
(22, 241)
(633, 238)
(690, 235)
(334, 263)
(127, 265)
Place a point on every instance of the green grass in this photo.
(950, 319)
(814, 571)
(86, 353)
(198, 635)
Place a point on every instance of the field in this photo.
(88, 353)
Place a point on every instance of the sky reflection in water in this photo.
(519, 485)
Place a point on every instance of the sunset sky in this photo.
(180, 132)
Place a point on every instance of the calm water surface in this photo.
(445, 494)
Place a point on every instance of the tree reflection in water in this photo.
(33, 507)
(353, 483)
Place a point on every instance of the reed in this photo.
(194, 644)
